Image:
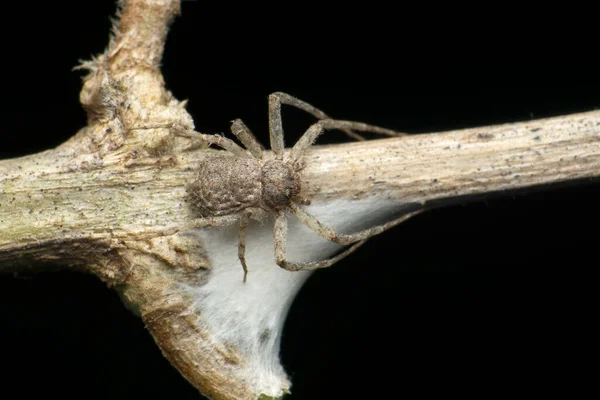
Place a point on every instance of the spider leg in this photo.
(276, 127)
(209, 222)
(244, 220)
(317, 129)
(245, 135)
(330, 234)
(218, 140)
(280, 242)
(278, 98)
(225, 221)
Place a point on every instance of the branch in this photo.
(439, 168)
(111, 201)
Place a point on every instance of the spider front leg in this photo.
(275, 124)
(317, 129)
(280, 243)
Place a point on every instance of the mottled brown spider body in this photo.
(228, 189)
(229, 185)
(280, 184)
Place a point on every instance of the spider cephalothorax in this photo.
(280, 184)
(238, 186)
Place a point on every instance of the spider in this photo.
(250, 183)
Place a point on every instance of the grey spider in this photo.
(249, 184)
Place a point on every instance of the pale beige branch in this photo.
(112, 201)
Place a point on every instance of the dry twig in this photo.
(112, 201)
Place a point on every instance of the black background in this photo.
(484, 298)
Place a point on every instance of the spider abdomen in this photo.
(226, 185)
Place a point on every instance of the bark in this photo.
(112, 201)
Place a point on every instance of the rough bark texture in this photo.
(112, 200)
